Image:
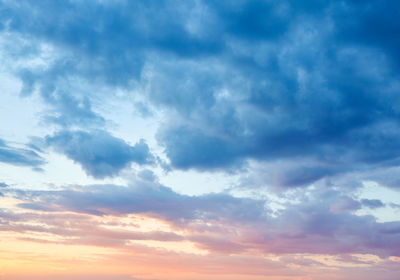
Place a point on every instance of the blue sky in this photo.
(281, 116)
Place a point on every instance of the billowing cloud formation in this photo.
(313, 84)
(19, 156)
(99, 153)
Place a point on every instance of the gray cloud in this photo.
(372, 203)
(99, 153)
(19, 156)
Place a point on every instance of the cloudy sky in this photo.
(198, 140)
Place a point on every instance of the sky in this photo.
(198, 140)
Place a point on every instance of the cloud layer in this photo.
(221, 222)
(312, 84)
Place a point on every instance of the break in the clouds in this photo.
(281, 116)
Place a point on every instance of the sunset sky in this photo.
(200, 140)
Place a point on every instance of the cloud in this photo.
(99, 153)
(238, 82)
(296, 97)
(102, 47)
(345, 203)
(372, 203)
(320, 222)
(20, 156)
(146, 197)
(300, 99)
(394, 205)
(187, 147)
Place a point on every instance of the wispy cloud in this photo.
(19, 156)
(325, 224)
